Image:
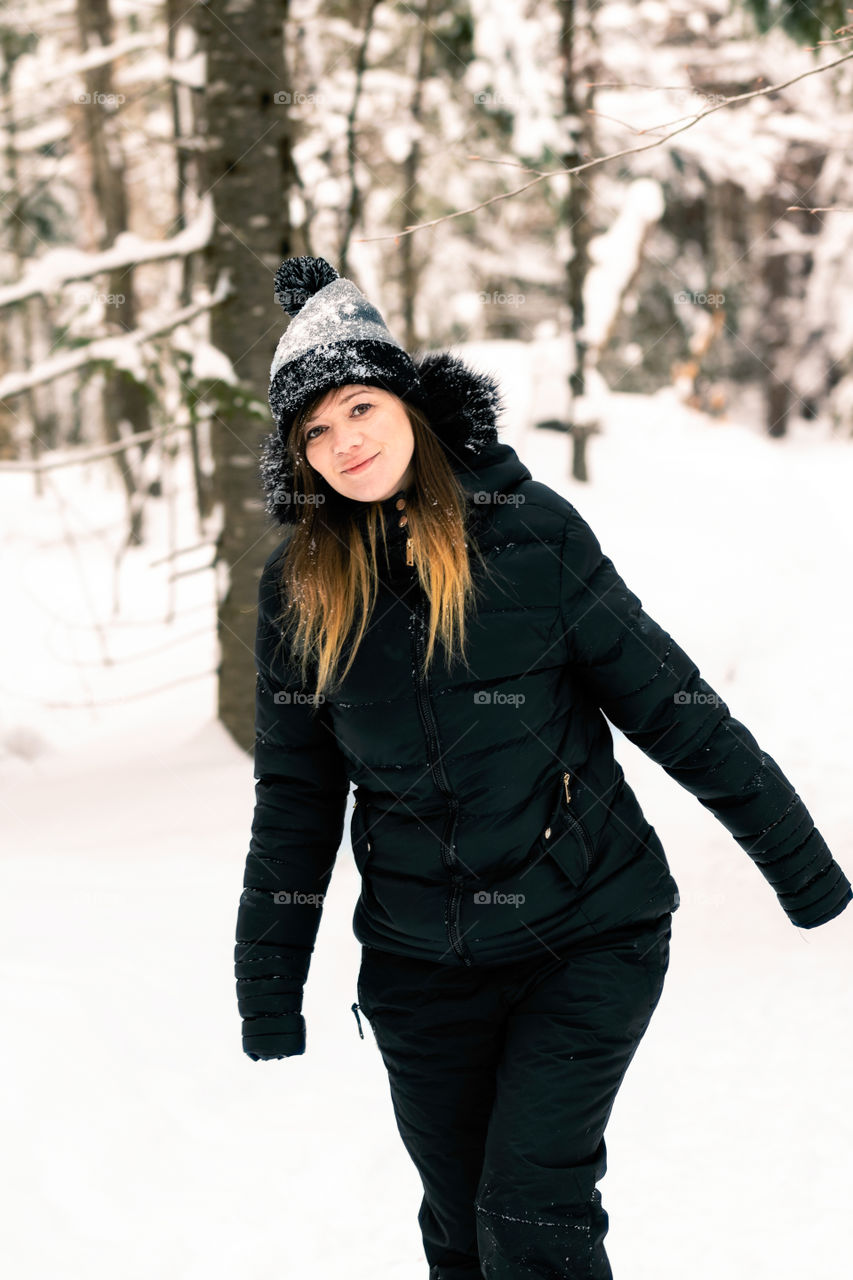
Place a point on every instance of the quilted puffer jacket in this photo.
(491, 819)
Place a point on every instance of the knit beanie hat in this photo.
(335, 337)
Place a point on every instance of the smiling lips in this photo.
(360, 466)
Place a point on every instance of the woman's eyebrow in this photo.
(357, 391)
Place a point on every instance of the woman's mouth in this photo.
(362, 466)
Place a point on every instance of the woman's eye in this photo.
(365, 404)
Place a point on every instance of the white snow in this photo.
(615, 258)
(54, 268)
(324, 320)
(123, 351)
(33, 77)
(141, 1140)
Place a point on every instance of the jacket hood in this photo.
(463, 406)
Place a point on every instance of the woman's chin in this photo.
(373, 486)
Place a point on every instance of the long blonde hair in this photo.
(329, 577)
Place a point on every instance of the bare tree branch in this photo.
(802, 208)
(91, 455)
(614, 155)
(110, 349)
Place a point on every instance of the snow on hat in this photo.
(335, 337)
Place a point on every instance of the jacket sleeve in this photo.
(300, 798)
(650, 689)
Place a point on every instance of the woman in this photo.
(444, 632)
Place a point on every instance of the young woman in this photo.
(445, 632)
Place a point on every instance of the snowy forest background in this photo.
(672, 327)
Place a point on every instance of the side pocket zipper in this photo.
(578, 823)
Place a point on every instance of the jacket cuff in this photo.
(279, 1037)
(822, 901)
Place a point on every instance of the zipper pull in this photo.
(566, 785)
(410, 551)
(358, 1020)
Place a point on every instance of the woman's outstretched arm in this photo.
(653, 691)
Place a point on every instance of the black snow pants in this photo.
(502, 1080)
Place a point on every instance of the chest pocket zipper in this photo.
(564, 821)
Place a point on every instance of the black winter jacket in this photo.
(491, 820)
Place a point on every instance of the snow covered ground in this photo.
(138, 1137)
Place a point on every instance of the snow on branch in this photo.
(59, 266)
(97, 57)
(616, 256)
(613, 155)
(72, 458)
(121, 351)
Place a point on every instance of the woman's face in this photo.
(356, 423)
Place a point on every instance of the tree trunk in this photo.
(245, 164)
(578, 59)
(354, 204)
(125, 400)
(185, 131)
(774, 335)
(411, 267)
(21, 243)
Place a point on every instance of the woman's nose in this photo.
(346, 437)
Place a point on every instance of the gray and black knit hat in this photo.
(335, 337)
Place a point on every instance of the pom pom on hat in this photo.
(335, 337)
(298, 279)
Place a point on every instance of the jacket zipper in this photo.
(579, 826)
(440, 779)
